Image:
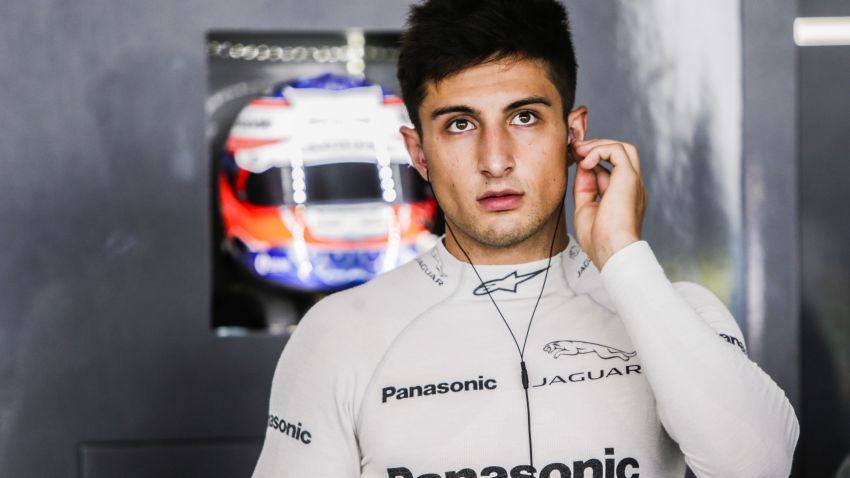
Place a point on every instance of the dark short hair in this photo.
(444, 37)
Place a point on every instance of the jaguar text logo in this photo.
(436, 273)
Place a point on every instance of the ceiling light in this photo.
(821, 31)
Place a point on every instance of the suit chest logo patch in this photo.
(560, 348)
(509, 283)
(576, 347)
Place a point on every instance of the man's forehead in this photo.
(493, 85)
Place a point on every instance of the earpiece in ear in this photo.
(571, 159)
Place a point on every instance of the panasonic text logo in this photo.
(608, 467)
(291, 430)
(401, 393)
(734, 341)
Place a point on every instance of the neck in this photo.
(538, 246)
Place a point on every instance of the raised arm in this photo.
(728, 416)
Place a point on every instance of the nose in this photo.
(496, 153)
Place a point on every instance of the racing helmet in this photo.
(315, 188)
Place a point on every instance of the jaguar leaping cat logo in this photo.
(576, 347)
(508, 283)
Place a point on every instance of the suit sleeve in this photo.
(728, 416)
(310, 427)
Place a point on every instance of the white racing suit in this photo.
(414, 375)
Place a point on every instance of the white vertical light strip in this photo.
(822, 31)
(756, 277)
(684, 59)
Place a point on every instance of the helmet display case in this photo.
(312, 190)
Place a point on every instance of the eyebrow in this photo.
(531, 100)
(444, 110)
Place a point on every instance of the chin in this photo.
(505, 234)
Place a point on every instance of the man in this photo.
(504, 351)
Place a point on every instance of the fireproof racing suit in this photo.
(414, 375)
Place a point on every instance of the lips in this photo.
(500, 200)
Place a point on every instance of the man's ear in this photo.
(413, 143)
(576, 128)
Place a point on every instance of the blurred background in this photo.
(123, 351)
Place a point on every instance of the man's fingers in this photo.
(591, 183)
(585, 149)
(614, 154)
(585, 187)
(585, 191)
(603, 178)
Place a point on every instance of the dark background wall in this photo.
(824, 161)
(108, 366)
(107, 362)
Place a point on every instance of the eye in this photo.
(459, 125)
(524, 118)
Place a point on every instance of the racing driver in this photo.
(515, 348)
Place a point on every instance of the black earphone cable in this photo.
(520, 350)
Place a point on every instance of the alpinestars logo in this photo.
(576, 347)
(509, 283)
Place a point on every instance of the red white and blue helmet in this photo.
(315, 187)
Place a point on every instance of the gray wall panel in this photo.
(105, 272)
(769, 184)
(104, 320)
(208, 459)
(666, 76)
